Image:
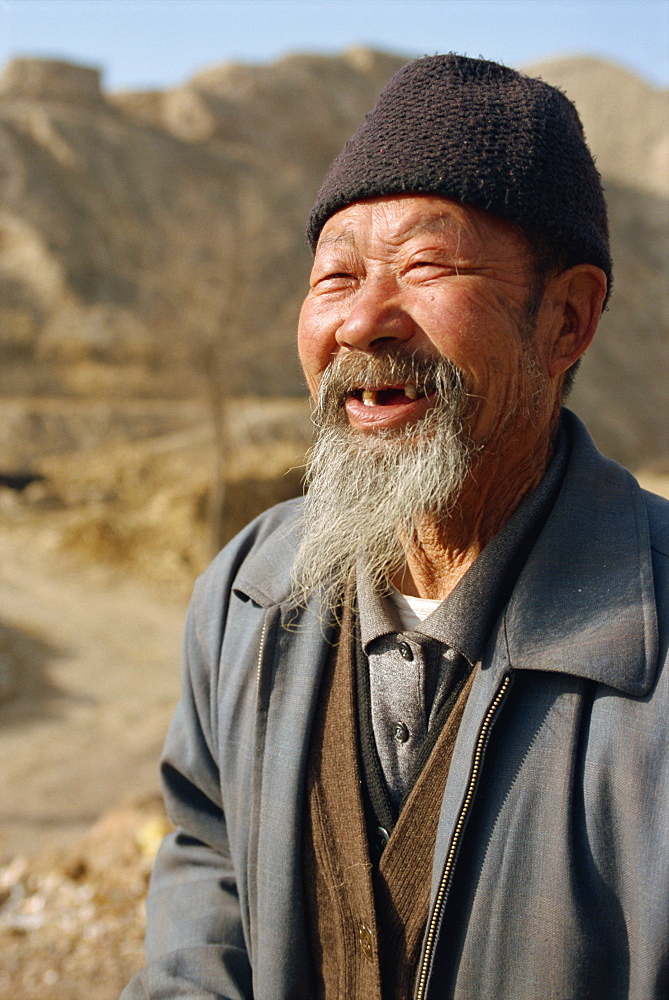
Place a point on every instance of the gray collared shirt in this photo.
(412, 673)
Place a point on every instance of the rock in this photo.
(72, 923)
(51, 80)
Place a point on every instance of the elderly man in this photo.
(422, 749)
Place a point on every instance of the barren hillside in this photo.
(622, 388)
(151, 244)
(138, 228)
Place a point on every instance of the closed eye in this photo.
(334, 280)
(438, 267)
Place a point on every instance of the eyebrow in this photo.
(347, 237)
(438, 224)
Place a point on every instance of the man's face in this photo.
(422, 275)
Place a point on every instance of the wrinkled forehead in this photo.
(397, 219)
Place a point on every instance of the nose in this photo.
(376, 318)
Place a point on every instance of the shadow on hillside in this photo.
(249, 497)
(621, 389)
(27, 692)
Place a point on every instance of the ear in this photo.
(579, 294)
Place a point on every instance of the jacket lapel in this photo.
(296, 646)
(297, 653)
(584, 603)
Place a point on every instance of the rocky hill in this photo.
(139, 229)
(151, 243)
(622, 388)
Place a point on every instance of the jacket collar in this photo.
(265, 575)
(584, 602)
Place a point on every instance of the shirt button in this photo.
(366, 942)
(451, 654)
(400, 732)
(382, 838)
(405, 651)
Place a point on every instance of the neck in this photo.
(445, 549)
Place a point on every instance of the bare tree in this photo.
(219, 304)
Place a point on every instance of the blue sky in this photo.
(141, 44)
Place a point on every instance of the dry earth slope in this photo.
(622, 388)
(143, 234)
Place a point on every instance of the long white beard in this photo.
(369, 492)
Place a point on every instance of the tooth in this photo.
(369, 397)
(410, 391)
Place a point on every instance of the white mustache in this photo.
(356, 371)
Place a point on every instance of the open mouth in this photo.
(387, 395)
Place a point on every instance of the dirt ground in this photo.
(92, 659)
(72, 918)
(88, 681)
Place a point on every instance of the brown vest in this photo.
(366, 926)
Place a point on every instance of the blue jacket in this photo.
(551, 865)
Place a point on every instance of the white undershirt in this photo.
(412, 610)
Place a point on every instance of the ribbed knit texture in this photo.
(345, 895)
(484, 135)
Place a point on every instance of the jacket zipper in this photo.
(455, 842)
(260, 653)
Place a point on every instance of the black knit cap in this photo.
(484, 135)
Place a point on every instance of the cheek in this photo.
(315, 343)
(444, 325)
(473, 334)
(481, 335)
